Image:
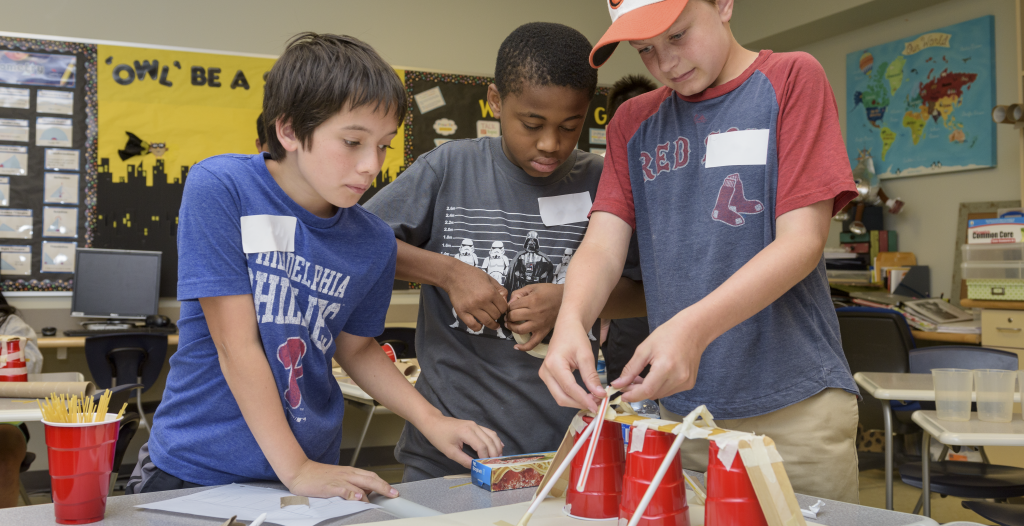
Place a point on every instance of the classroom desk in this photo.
(443, 495)
(971, 433)
(898, 386)
(947, 337)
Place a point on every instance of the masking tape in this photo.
(578, 425)
(728, 445)
(761, 459)
(636, 440)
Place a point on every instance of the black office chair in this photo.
(1001, 514)
(877, 340)
(129, 425)
(402, 340)
(26, 463)
(116, 359)
(119, 395)
(970, 480)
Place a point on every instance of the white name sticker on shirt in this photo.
(266, 233)
(565, 209)
(738, 148)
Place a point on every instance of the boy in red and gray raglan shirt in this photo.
(729, 176)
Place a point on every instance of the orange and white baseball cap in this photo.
(635, 20)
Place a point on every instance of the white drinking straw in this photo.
(558, 472)
(657, 479)
(599, 420)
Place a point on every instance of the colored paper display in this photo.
(37, 69)
(15, 224)
(58, 257)
(13, 160)
(15, 260)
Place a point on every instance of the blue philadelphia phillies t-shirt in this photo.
(310, 279)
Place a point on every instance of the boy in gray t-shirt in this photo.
(486, 225)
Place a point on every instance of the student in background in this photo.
(730, 245)
(281, 271)
(478, 200)
(14, 435)
(625, 334)
(261, 135)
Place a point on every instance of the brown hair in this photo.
(321, 74)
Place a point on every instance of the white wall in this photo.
(927, 226)
(460, 36)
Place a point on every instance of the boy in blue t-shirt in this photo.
(279, 272)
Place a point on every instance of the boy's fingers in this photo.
(470, 321)
(370, 481)
(490, 443)
(485, 318)
(582, 398)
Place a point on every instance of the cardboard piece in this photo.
(771, 484)
(44, 389)
(294, 500)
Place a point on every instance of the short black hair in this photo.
(544, 54)
(626, 88)
(321, 74)
(261, 131)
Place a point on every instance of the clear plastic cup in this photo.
(953, 388)
(995, 394)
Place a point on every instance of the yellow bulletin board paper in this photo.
(197, 105)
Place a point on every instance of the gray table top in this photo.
(443, 495)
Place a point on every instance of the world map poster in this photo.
(922, 105)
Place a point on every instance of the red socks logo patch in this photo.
(731, 203)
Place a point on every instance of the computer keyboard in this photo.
(134, 330)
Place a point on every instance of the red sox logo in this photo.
(614, 4)
(732, 203)
(290, 355)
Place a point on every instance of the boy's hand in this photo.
(313, 479)
(673, 351)
(449, 434)
(568, 351)
(533, 309)
(477, 298)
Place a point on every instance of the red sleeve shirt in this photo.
(811, 158)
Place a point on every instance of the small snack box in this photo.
(513, 472)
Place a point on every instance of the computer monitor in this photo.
(122, 284)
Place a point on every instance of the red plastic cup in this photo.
(731, 499)
(12, 359)
(600, 497)
(390, 351)
(81, 458)
(668, 505)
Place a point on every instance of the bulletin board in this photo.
(47, 160)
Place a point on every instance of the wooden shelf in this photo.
(947, 337)
(992, 304)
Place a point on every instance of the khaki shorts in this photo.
(816, 438)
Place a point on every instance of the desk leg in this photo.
(926, 475)
(887, 419)
(366, 425)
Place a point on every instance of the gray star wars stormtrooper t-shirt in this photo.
(465, 199)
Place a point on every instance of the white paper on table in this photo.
(249, 502)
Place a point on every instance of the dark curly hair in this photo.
(544, 54)
(626, 88)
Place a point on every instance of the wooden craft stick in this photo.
(657, 479)
(561, 469)
(599, 420)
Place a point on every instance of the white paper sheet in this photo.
(564, 209)
(738, 148)
(248, 502)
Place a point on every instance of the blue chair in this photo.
(971, 480)
(127, 358)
